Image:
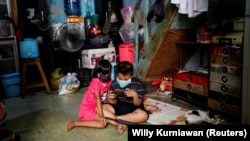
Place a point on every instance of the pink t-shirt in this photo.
(87, 109)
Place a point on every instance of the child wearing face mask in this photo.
(90, 111)
(128, 106)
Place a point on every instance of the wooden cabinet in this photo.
(191, 86)
(220, 89)
(225, 79)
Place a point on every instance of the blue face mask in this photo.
(123, 83)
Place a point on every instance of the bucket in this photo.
(126, 52)
(11, 84)
(29, 48)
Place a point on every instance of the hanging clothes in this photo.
(192, 8)
(157, 11)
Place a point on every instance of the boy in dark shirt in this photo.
(128, 106)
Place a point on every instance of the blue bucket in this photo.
(29, 48)
(11, 84)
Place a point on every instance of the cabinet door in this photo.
(8, 56)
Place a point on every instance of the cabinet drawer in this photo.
(194, 88)
(224, 98)
(191, 78)
(226, 60)
(233, 80)
(224, 108)
(229, 70)
(190, 97)
(225, 89)
(226, 51)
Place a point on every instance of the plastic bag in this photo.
(69, 84)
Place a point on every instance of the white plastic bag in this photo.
(69, 84)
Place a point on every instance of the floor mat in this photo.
(161, 113)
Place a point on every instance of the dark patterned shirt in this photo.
(135, 85)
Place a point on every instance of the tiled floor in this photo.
(42, 117)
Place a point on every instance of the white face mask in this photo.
(123, 83)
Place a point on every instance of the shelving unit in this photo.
(225, 79)
(191, 86)
(9, 61)
(8, 47)
(220, 88)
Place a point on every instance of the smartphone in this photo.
(119, 92)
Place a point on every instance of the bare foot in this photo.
(121, 128)
(70, 125)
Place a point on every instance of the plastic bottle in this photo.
(113, 73)
(87, 19)
(72, 7)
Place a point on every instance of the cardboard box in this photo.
(91, 56)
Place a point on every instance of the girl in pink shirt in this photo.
(90, 111)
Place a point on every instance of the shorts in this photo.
(122, 108)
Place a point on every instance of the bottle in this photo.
(113, 73)
(87, 19)
(72, 7)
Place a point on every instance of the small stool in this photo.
(43, 83)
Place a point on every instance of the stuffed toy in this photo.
(165, 84)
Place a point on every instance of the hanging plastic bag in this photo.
(69, 84)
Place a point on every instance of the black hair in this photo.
(125, 68)
(103, 66)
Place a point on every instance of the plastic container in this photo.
(72, 7)
(54, 83)
(57, 73)
(29, 48)
(126, 52)
(11, 84)
(127, 13)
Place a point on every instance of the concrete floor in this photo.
(42, 117)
